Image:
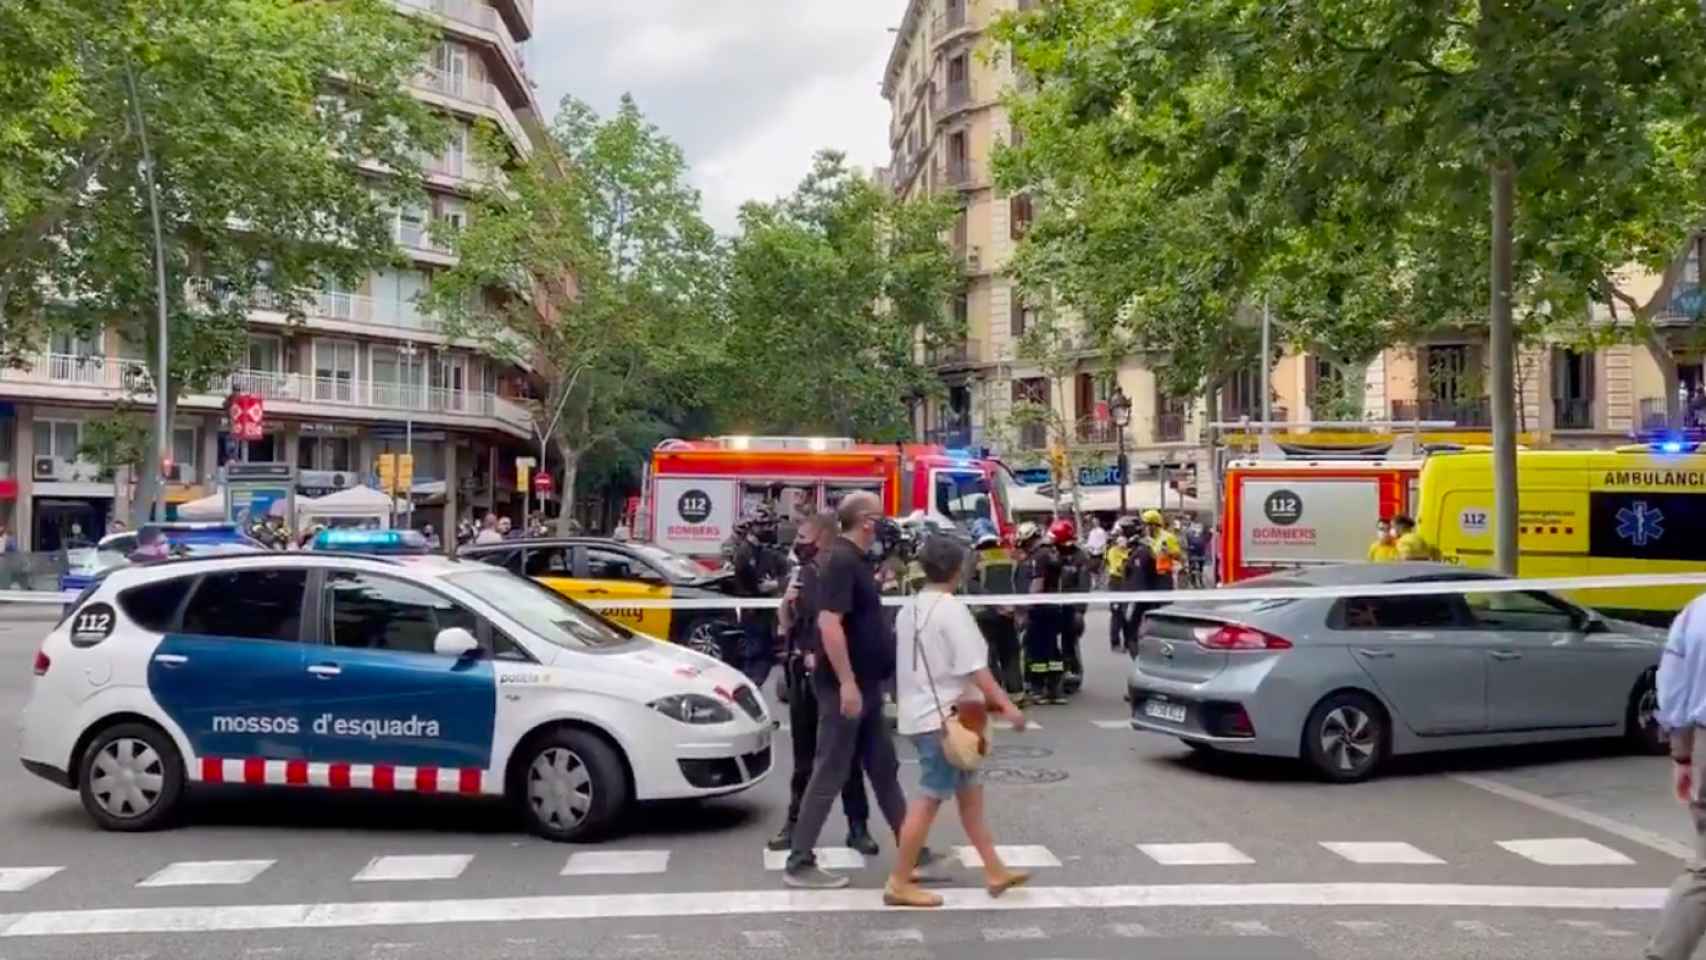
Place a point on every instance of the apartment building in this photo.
(944, 86)
(365, 369)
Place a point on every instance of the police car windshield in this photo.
(541, 610)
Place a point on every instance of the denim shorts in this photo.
(937, 778)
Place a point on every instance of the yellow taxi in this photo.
(608, 572)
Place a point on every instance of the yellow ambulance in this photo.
(1635, 509)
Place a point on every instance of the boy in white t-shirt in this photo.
(942, 665)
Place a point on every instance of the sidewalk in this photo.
(1633, 791)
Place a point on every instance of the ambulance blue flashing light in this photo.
(390, 542)
(1671, 446)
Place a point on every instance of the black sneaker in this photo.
(807, 875)
(859, 838)
(783, 840)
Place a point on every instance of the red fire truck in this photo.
(1281, 514)
(695, 490)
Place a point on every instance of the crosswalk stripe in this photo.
(615, 862)
(409, 868)
(1380, 852)
(1113, 724)
(765, 939)
(19, 879)
(1008, 726)
(1479, 928)
(830, 858)
(1595, 928)
(748, 902)
(1566, 852)
(196, 873)
(893, 938)
(1194, 854)
(1021, 856)
(1364, 928)
(1130, 931)
(1247, 928)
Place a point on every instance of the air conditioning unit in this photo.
(44, 468)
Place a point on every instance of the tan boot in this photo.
(910, 895)
(1007, 881)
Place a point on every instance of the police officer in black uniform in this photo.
(759, 568)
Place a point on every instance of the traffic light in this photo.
(1057, 462)
(388, 472)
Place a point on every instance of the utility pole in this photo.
(162, 426)
(1501, 342)
(1267, 361)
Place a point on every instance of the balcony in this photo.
(957, 173)
(1169, 428)
(948, 24)
(378, 395)
(1092, 430)
(952, 98)
(958, 354)
(481, 22)
(952, 435)
(1032, 436)
(417, 238)
(1572, 413)
(475, 96)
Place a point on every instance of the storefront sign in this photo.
(248, 415)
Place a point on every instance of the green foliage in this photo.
(114, 441)
(1198, 155)
(607, 279)
(259, 114)
(832, 291)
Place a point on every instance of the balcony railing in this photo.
(478, 15)
(1033, 436)
(1092, 430)
(1169, 428)
(1653, 416)
(955, 95)
(345, 390)
(953, 435)
(477, 93)
(957, 353)
(1477, 412)
(1572, 413)
(948, 21)
(957, 173)
(84, 370)
(418, 236)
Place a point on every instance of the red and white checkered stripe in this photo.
(255, 771)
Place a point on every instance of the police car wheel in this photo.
(572, 786)
(131, 778)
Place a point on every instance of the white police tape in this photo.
(1467, 582)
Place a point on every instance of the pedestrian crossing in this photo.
(1560, 852)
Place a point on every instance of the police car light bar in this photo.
(371, 541)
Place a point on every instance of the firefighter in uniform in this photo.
(1156, 559)
(1120, 552)
(1074, 578)
(993, 576)
(1044, 667)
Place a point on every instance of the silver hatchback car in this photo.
(1346, 681)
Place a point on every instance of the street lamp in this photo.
(1119, 405)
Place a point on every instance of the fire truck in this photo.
(1306, 494)
(694, 491)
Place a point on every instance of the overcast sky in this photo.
(749, 88)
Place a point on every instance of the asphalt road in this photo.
(1243, 871)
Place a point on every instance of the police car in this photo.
(372, 672)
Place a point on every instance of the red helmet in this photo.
(1062, 532)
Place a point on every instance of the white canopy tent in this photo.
(1030, 501)
(356, 506)
(208, 508)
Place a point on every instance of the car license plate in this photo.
(1161, 710)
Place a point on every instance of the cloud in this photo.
(749, 88)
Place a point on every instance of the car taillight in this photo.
(1234, 636)
(42, 663)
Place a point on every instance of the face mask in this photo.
(805, 551)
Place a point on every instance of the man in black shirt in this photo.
(799, 625)
(857, 657)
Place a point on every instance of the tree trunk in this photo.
(1502, 345)
(1666, 362)
(149, 481)
(571, 466)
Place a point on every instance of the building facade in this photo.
(944, 83)
(366, 371)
